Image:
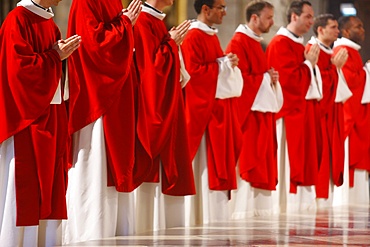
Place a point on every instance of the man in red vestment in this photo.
(357, 108)
(33, 133)
(209, 110)
(286, 54)
(260, 98)
(102, 79)
(331, 105)
(162, 114)
(162, 120)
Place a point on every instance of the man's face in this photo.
(216, 12)
(305, 20)
(265, 20)
(356, 31)
(330, 32)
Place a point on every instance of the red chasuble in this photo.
(258, 158)
(300, 115)
(332, 128)
(356, 114)
(162, 114)
(207, 115)
(30, 73)
(102, 80)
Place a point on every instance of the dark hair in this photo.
(198, 4)
(296, 7)
(344, 22)
(322, 21)
(255, 7)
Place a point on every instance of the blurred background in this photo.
(183, 9)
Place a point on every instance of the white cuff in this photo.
(315, 88)
(343, 92)
(366, 95)
(269, 98)
(230, 80)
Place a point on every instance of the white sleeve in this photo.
(269, 97)
(57, 99)
(315, 88)
(230, 80)
(343, 92)
(184, 75)
(366, 95)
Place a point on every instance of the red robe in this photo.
(331, 118)
(300, 115)
(258, 157)
(206, 114)
(356, 114)
(30, 73)
(162, 114)
(102, 80)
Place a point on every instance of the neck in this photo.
(41, 3)
(157, 4)
(254, 28)
(293, 29)
(203, 19)
(327, 43)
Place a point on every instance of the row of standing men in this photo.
(158, 120)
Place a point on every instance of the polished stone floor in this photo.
(344, 226)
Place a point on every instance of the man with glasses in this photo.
(213, 126)
(260, 100)
(301, 90)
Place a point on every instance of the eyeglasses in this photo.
(220, 7)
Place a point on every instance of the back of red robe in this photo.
(30, 73)
(300, 115)
(162, 108)
(207, 115)
(258, 158)
(356, 114)
(102, 80)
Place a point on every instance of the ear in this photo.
(320, 30)
(205, 8)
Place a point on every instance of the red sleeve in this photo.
(200, 91)
(31, 69)
(287, 58)
(252, 79)
(99, 68)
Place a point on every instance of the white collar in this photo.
(347, 42)
(204, 27)
(242, 28)
(323, 47)
(28, 4)
(152, 12)
(285, 32)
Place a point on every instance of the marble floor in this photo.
(343, 226)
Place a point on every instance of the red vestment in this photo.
(300, 115)
(331, 118)
(208, 115)
(258, 157)
(30, 74)
(356, 114)
(162, 113)
(102, 81)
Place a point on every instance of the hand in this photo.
(313, 54)
(233, 58)
(178, 33)
(274, 75)
(133, 11)
(340, 58)
(66, 47)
